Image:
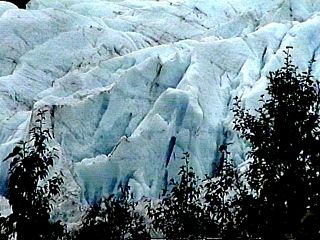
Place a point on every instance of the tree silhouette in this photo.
(229, 201)
(30, 189)
(217, 196)
(113, 218)
(19, 3)
(180, 213)
(284, 138)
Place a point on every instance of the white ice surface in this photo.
(123, 79)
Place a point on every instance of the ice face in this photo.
(131, 85)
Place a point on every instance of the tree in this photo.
(180, 213)
(284, 138)
(228, 200)
(6, 228)
(30, 189)
(218, 197)
(19, 4)
(113, 218)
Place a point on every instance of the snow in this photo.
(5, 6)
(131, 85)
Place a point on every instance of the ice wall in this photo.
(131, 85)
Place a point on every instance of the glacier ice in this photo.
(131, 85)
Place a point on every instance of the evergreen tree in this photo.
(180, 213)
(284, 138)
(30, 189)
(113, 218)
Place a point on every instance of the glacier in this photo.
(131, 85)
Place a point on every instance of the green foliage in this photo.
(284, 138)
(114, 219)
(180, 213)
(30, 189)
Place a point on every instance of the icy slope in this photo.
(131, 85)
